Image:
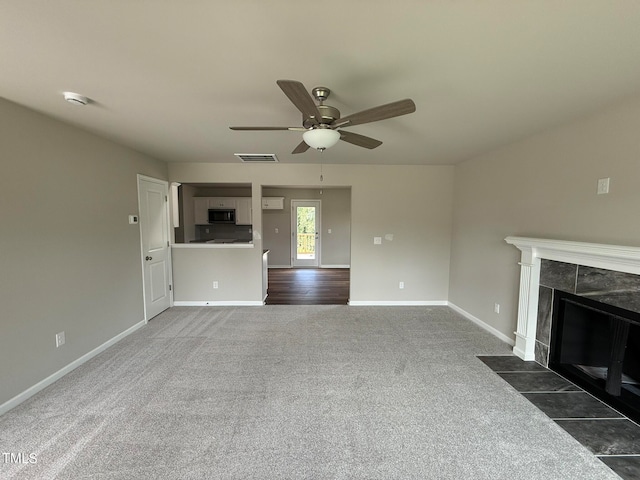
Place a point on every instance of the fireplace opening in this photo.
(597, 346)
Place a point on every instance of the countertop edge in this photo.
(212, 245)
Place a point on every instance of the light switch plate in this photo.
(603, 186)
(377, 240)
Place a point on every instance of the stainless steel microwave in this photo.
(222, 215)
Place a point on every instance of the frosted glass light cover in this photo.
(321, 138)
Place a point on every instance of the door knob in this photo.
(148, 258)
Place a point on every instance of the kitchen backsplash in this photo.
(221, 231)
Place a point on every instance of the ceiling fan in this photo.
(320, 123)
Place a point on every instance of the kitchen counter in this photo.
(213, 245)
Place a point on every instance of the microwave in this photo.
(222, 215)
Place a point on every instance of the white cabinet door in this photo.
(222, 202)
(243, 211)
(272, 203)
(201, 209)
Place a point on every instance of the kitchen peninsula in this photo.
(217, 256)
(218, 274)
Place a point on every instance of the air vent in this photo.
(257, 157)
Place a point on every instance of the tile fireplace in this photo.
(579, 314)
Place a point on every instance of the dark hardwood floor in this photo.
(308, 286)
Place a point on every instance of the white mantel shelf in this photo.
(610, 257)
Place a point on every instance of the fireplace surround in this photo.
(579, 314)
(609, 274)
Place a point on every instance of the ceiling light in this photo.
(321, 138)
(75, 98)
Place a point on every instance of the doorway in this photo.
(305, 230)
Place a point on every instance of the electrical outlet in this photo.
(496, 307)
(377, 240)
(329, 230)
(277, 230)
(215, 284)
(401, 285)
(60, 339)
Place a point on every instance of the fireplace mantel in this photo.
(610, 257)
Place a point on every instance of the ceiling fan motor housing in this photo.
(329, 114)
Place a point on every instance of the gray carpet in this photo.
(323, 392)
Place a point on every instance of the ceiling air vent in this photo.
(257, 157)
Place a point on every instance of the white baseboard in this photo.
(495, 332)
(279, 266)
(212, 303)
(29, 392)
(400, 303)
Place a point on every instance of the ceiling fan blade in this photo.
(301, 148)
(359, 140)
(300, 97)
(390, 110)
(296, 129)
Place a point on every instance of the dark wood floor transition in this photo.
(308, 286)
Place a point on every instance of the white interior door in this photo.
(154, 234)
(305, 228)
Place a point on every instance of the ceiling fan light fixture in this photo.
(321, 138)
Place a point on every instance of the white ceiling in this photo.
(168, 77)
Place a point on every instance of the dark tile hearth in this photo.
(544, 381)
(510, 363)
(609, 435)
(605, 437)
(571, 405)
(625, 466)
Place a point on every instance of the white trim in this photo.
(214, 303)
(495, 332)
(279, 266)
(609, 257)
(29, 392)
(399, 303)
(335, 266)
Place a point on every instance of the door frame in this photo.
(294, 243)
(164, 183)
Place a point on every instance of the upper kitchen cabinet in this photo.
(201, 210)
(222, 202)
(272, 203)
(243, 211)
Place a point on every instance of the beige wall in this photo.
(545, 187)
(335, 247)
(69, 260)
(412, 203)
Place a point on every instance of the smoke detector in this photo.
(75, 98)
